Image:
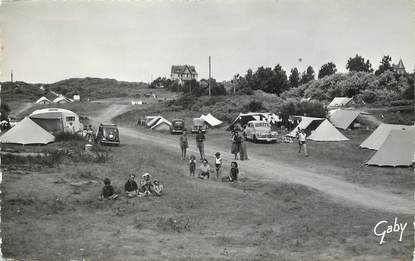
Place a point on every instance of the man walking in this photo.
(200, 139)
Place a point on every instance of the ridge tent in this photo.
(61, 99)
(343, 119)
(397, 150)
(339, 102)
(152, 121)
(211, 120)
(326, 132)
(43, 100)
(378, 137)
(306, 123)
(162, 124)
(27, 132)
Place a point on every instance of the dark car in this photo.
(177, 126)
(108, 134)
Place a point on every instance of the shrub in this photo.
(255, 106)
(67, 136)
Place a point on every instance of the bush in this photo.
(368, 96)
(255, 106)
(68, 136)
(311, 109)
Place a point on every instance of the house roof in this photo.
(182, 69)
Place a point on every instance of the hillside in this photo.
(88, 88)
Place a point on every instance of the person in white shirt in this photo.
(302, 139)
(218, 165)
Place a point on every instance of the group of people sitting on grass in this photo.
(146, 187)
(204, 169)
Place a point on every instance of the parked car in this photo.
(258, 131)
(177, 126)
(199, 124)
(107, 134)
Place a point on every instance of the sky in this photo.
(48, 41)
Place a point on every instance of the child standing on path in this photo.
(218, 165)
(192, 165)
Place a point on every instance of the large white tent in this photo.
(27, 132)
(378, 137)
(343, 119)
(326, 132)
(211, 120)
(397, 150)
(161, 124)
(305, 124)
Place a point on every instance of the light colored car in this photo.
(258, 131)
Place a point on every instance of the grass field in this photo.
(53, 214)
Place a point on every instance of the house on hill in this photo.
(183, 73)
(399, 68)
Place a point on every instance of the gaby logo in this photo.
(383, 228)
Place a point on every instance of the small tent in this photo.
(339, 102)
(343, 119)
(397, 150)
(161, 124)
(211, 120)
(308, 124)
(378, 137)
(152, 120)
(61, 99)
(326, 132)
(27, 132)
(43, 100)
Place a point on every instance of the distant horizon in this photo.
(50, 41)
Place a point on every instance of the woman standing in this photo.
(243, 152)
(236, 144)
(184, 144)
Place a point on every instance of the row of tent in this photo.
(161, 123)
(60, 99)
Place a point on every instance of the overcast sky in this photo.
(47, 41)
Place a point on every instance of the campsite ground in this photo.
(52, 213)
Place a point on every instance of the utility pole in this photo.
(11, 76)
(210, 76)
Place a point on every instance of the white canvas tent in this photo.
(343, 119)
(27, 132)
(326, 132)
(305, 123)
(43, 100)
(397, 150)
(161, 124)
(339, 102)
(378, 137)
(61, 99)
(151, 120)
(211, 120)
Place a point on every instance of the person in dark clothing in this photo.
(146, 186)
(131, 187)
(108, 190)
(200, 139)
(233, 175)
(236, 144)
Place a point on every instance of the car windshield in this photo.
(178, 123)
(262, 125)
(111, 130)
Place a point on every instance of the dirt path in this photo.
(258, 168)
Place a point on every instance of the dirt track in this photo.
(258, 168)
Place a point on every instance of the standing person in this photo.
(236, 144)
(243, 152)
(302, 139)
(184, 144)
(131, 187)
(297, 135)
(204, 170)
(192, 165)
(200, 139)
(218, 165)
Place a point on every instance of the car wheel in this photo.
(255, 140)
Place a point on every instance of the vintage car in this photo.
(107, 134)
(260, 131)
(177, 126)
(199, 124)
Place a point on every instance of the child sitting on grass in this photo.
(192, 165)
(204, 170)
(108, 190)
(233, 175)
(158, 188)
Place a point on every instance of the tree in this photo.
(308, 75)
(294, 78)
(358, 64)
(279, 80)
(327, 69)
(384, 65)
